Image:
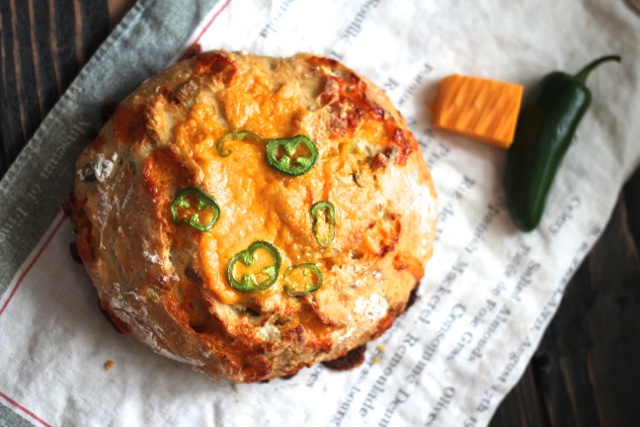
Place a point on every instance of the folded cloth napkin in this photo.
(489, 290)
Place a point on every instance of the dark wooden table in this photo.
(586, 371)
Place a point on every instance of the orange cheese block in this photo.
(481, 109)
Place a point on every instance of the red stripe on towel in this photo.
(32, 263)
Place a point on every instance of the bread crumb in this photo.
(380, 347)
(108, 365)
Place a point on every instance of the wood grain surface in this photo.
(44, 44)
(586, 371)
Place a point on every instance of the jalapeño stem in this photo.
(586, 70)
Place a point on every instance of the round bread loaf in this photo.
(252, 216)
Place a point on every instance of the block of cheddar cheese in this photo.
(481, 109)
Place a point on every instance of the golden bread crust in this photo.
(166, 284)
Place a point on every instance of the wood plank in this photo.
(43, 45)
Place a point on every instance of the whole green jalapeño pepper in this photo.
(292, 156)
(252, 282)
(202, 216)
(546, 126)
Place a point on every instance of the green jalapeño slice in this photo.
(235, 135)
(323, 215)
(302, 279)
(255, 268)
(292, 156)
(195, 207)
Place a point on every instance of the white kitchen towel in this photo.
(489, 290)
